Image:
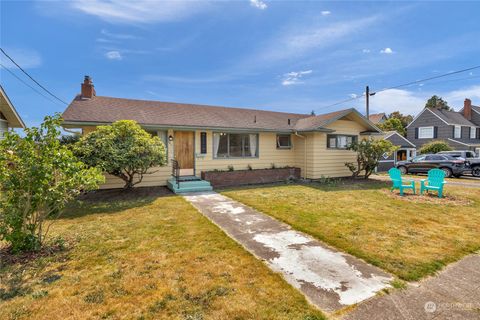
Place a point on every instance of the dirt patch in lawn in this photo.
(429, 198)
(107, 195)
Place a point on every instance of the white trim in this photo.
(14, 111)
(429, 127)
(398, 134)
(386, 160)
(414, 119)
(455, 132)
(4, 120)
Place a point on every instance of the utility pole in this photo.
(367, 101)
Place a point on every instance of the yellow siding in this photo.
(331, 162)
(268, 154)
(320, 161)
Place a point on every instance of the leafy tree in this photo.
(393, 124)
(38, 177)
(436, 102)
(369, 152)
(404, 119)
(122, 149)
(435, 146)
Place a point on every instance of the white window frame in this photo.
(457, 133)
(422, 135)
(289, 146)
(473, 133)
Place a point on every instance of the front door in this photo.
(184, 151)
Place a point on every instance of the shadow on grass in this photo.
(113, 200)
(326, 185)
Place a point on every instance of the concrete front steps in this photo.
(189, 184)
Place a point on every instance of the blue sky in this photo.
(277, 55)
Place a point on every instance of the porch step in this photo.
(189, 186)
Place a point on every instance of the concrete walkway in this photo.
(328, 278)
(453, 294)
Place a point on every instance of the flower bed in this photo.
(243, 177)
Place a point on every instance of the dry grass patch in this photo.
(153, 258)
(410, 237)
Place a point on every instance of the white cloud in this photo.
(387, 51)
(26, 58)
(294, 77)
(258, 4)
(298, 41)
(366, 50)
(325, 13)
(412, 102)
(113, 55)
(353, 95)
(119, 36)
(140, 11)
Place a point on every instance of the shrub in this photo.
(369, 152)
(434, 147)
(231, 168)
(38, 177)
(122, 149)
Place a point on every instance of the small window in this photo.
(457, 132)
(470, 154)
(425, 133)
(337, 141)
(284, 141)
(203, 142)
(473, 133)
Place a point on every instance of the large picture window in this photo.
(235, 145)
(339, 141)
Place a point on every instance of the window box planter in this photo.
(256, 176)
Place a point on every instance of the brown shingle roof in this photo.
(376, 118)
(106, 110)
(167, 114)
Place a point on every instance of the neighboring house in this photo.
(206, 138)
(406, 151)
(9, 117)
(377, 118)
(460, 129)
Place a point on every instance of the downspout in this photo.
(305, 153)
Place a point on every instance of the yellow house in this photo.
(206, 138)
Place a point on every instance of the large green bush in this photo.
(122, 149)
(38, 177)
(435, 146)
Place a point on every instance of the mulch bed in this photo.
(8, 258)
(428, 198)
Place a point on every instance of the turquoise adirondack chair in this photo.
(397, 181)
(435, 182)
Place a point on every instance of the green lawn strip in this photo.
(408, 237)
(155, 258)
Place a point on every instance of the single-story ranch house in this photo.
(9, 117)
(207, 138)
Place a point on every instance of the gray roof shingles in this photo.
(452, 117)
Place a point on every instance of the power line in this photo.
(45, 89)
(25, 83)
(403, 85)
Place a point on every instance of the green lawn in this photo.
(150, 258)
(410, 237)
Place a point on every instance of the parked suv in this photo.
(472, 160)
(422, 164)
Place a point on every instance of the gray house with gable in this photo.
(461, 130)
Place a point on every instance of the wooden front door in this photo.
(184, 149)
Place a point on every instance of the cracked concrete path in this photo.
(453, 294)
(328, 278)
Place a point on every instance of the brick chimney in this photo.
(467, 109)
(88, 90)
